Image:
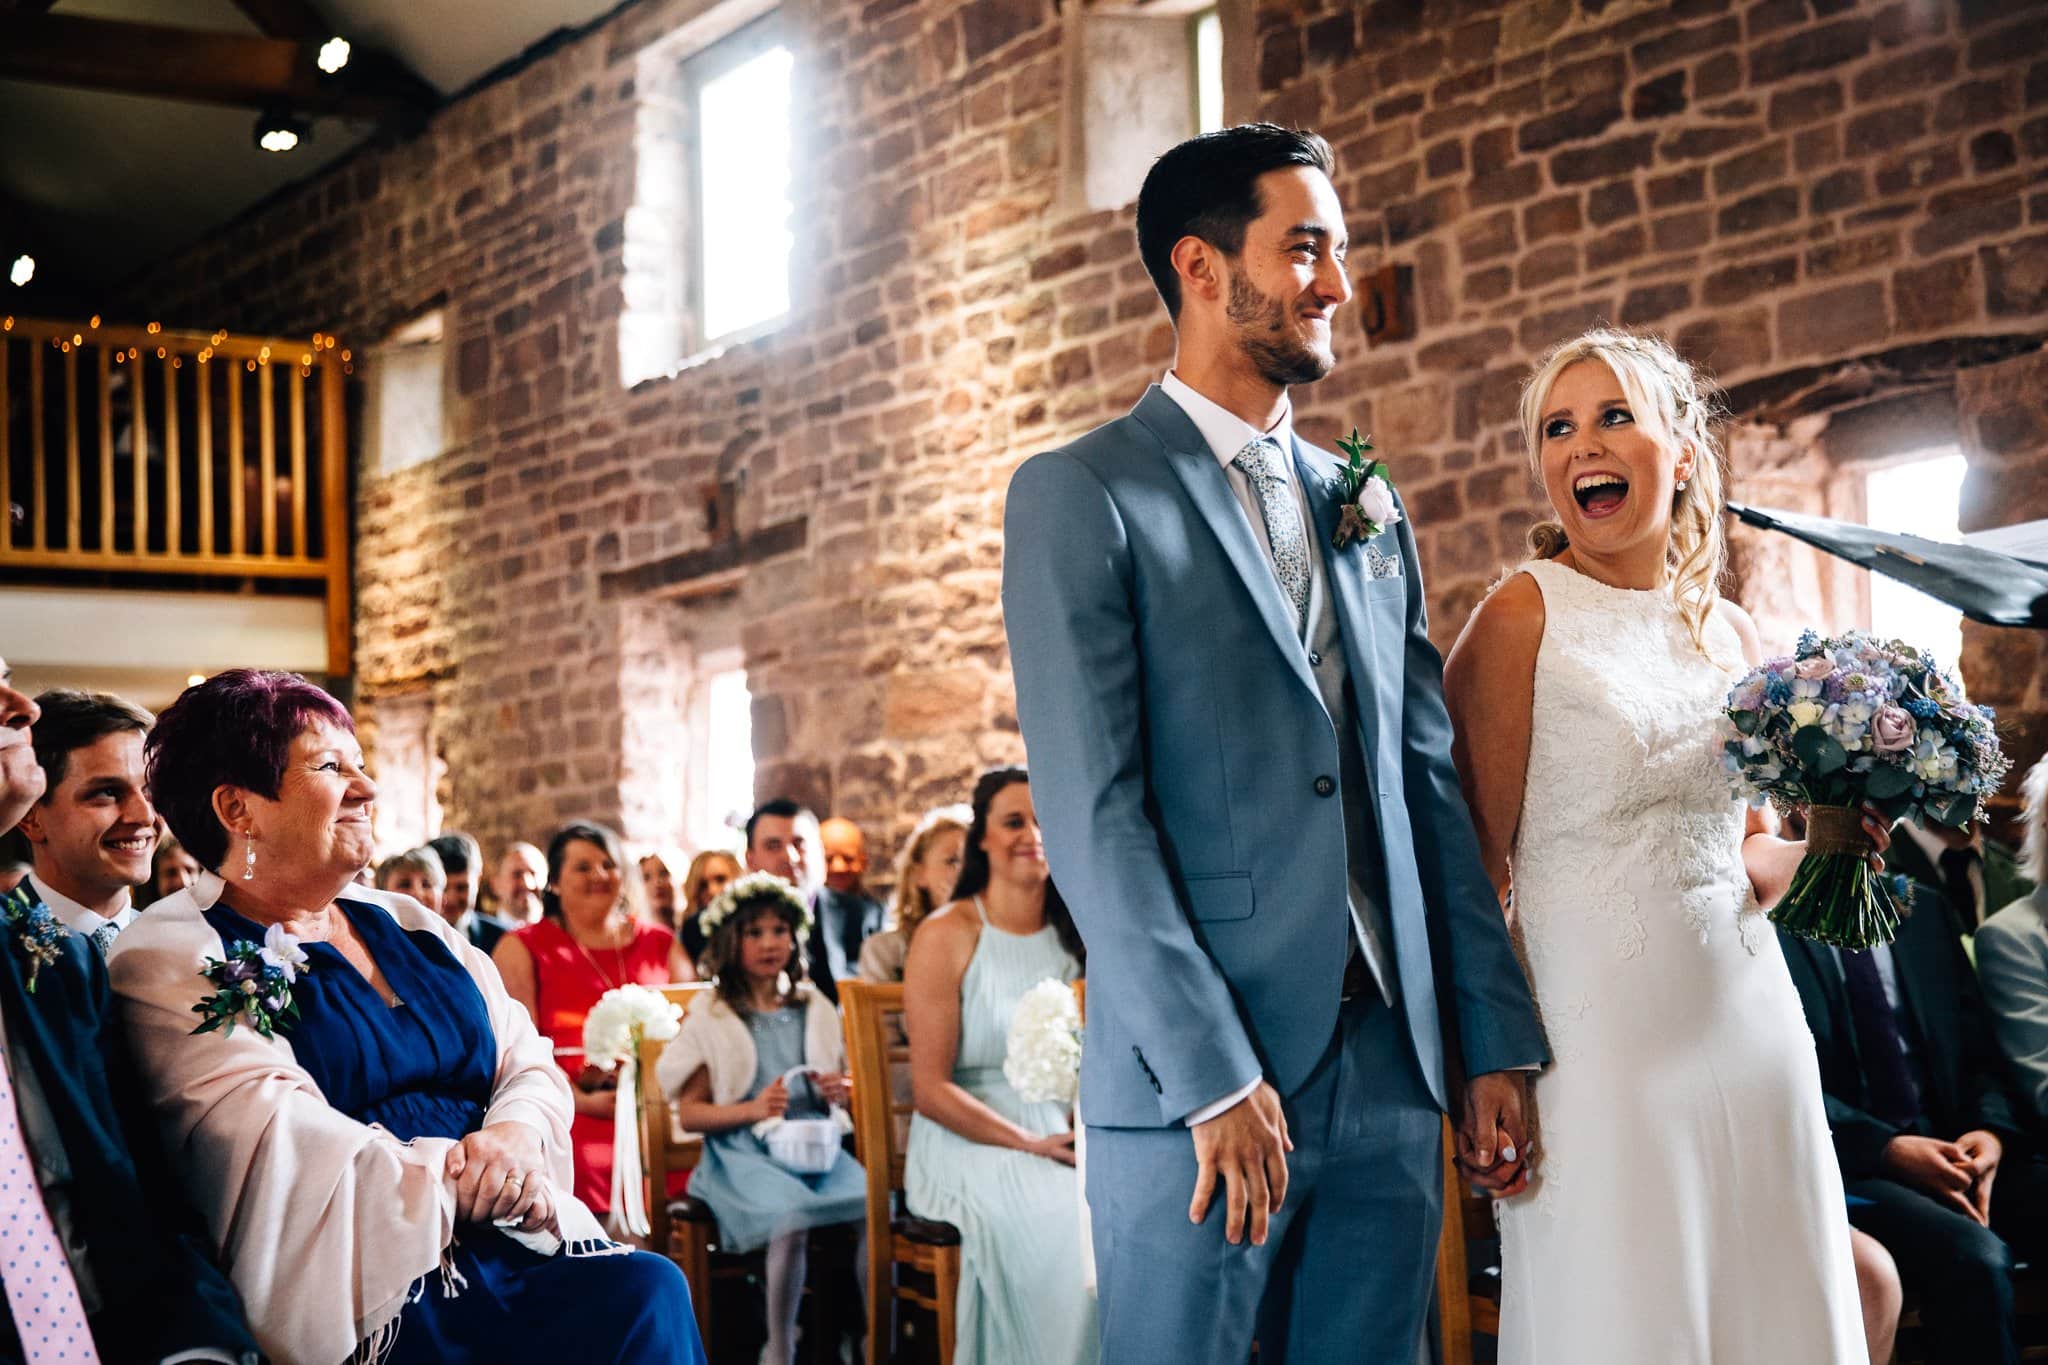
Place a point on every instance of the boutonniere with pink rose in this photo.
(1368, 505)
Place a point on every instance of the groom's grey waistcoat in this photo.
(1189, 767)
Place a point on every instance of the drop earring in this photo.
(249, 866)
(1681, 485)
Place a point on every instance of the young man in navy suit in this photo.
(135, 1255)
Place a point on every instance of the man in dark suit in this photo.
(463, 861)
(1978, 876)
(80, 1170)
(838, 926)
(1931, 1147)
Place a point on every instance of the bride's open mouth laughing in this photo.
(1600, 494)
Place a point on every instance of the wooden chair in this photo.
(683, 1229)
(1462, 1311)
(881, 1130)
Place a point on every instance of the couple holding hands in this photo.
(1288, 829)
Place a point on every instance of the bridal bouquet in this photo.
(617, 1024)
(1042, 1061)
(1842, 722)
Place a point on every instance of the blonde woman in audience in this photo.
(996, 1166)
(710, 873)
(658, 884)
(926, 874)
(1683, 1103)
(418, 873)
(2012, 961)
(376, 1136)
(763, 1046)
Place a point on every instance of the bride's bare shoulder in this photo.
(1509, 618)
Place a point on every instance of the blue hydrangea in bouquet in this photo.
(1850, 721)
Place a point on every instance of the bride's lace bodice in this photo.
(1628, 824)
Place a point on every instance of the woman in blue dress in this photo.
(375, 1133)
(730, 1071)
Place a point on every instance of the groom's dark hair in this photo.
(1208, 187)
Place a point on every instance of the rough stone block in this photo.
(1844, 321)
(1937, 296)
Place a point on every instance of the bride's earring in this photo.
(1681, 485)
(249, 865)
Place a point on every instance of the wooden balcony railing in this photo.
(134, 452)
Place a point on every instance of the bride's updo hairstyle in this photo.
(1676, 406)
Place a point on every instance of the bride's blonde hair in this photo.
(1677, 406)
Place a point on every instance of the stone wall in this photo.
(1818, 199)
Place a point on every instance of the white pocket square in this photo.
(1382, 564)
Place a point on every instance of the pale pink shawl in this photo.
(324, 1224)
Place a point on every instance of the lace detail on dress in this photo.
(1623, 775)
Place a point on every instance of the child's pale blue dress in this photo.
(755, 1196)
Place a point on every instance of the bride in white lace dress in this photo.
(1683, 1204)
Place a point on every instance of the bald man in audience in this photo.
(98, 1240)
(93, 834)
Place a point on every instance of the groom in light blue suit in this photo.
(1241, 762)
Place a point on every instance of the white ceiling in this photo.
(112, 182)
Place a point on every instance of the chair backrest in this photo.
(878, 1059)
(664, 1146)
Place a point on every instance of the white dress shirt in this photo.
(76, 917)
(1227, 434)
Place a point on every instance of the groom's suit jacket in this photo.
(1184, 769)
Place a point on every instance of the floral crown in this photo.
(753, 887)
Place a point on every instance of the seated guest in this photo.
(729, 1071)
(659, 886)
(516, 887)
(110, 1248)
(376, 1135)
(92, 834)
(844, 914)
(586, 943)
(710, 873)
(926, 873)
(1976, 874)
(1933, 1160)
(416, 873)
(2012, 964)
(463, 863)
(997, 1166)
(174, 869)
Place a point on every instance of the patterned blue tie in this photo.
(1260, 462)
(103, 937)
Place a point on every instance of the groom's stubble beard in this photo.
(1280, 356)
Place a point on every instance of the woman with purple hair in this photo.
(376, 1135)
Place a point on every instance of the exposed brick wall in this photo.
(1783, 185)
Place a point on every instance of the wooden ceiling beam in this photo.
(292, 19)
(247, 70)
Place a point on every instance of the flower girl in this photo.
(759, 1069)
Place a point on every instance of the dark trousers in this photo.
(1349, 1261)
(1962, 1272)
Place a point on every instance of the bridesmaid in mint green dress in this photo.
(995, 1166)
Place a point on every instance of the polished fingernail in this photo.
(1507, 1153)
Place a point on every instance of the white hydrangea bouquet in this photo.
(617, 1024)
(1042, 1061)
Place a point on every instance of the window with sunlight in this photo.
(727, 746)
(1208, 37)
(743, 194)
(1921, 498)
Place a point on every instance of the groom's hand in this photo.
(1493, 1139)
(1247, 1145)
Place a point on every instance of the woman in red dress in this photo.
(586, 942)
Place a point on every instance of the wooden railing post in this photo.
(159, 544)
(334, 537)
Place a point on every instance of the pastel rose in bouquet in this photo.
(1847, 722)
